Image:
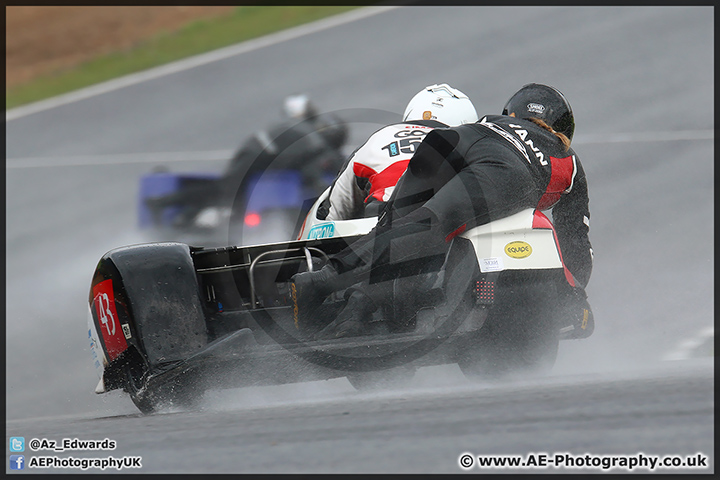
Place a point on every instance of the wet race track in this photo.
(640, 389)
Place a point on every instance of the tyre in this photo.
(134, 374)
(152, 400)
(382, 379)
(158, 287)
(519, 337)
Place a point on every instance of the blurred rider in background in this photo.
(305, 141)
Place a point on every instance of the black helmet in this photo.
(333, 130)
(546, 103)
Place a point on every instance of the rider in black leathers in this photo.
(459, 178)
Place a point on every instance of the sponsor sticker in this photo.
(493, 264)
(518, 249)
(98, 357)
(108, 321)
(325, 230)
(536, 108)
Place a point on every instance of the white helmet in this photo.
(298, 106)
(442, 103)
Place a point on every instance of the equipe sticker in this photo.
(518, 249)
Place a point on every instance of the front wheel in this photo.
(146, 403)
(176, 394)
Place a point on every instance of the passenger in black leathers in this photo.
(305, 140)
(460, 178)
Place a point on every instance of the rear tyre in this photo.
(520, 337)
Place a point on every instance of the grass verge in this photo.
(201, 36)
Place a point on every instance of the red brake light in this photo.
(252, 219)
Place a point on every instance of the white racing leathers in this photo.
(373, 170)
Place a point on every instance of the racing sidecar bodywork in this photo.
(168, 321)
(274, 200)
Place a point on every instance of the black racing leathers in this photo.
(308, 146)
(470, 175)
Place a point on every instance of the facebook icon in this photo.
(17, 462)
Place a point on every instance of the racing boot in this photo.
(308, 291)
(579, 314)
(354, 319)
(584, 322)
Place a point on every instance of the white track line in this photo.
(668, 136)
(118, 159)
(195, 61)
(688, 348)
(215, 155)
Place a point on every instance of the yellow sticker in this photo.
(518, 249)
(427, 115)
